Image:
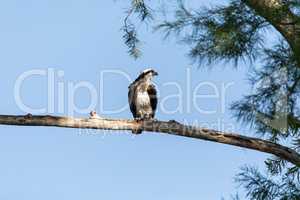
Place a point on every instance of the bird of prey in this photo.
(142, 96)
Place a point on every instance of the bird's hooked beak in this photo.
(155, 73)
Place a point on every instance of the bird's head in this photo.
(148, 74)
(149, 71)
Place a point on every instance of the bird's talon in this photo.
(138, 119)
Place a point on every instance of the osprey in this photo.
(142, 96)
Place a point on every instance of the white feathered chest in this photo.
(142, 99)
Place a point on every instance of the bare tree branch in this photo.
(169, 127)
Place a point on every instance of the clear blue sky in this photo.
(83, 38)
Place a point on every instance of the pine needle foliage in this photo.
(223, 33)
(233, 33)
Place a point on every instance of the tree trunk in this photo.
(282, 18)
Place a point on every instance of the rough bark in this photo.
(283, 19)
(169, 127)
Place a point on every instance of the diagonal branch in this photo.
(282, 18)
(169, 127)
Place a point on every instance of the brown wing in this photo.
(131, 99)
(153, 98)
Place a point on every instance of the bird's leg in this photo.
(147, 116)
(137, 131)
